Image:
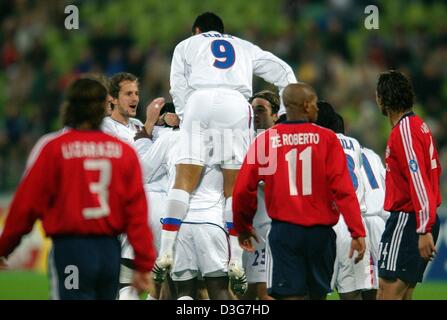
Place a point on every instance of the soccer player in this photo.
(211, 80)
(265, 106)
(87, 188)
(201, 249)
(375, 217)
(307, 181)
(412, 192)
(353, 281)
(123, 88)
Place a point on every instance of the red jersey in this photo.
(82, 183)
(413, 171)
(304, 170)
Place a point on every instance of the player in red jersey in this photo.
(305, 176)
(412, 194)
(86, 187)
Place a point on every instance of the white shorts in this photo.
(200, 250)
(157, 204)
(216, 129)
(375, 226)
(348, 276)
(255, 262)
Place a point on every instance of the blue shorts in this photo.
(303, 260)
(84, 267)
(399, 254)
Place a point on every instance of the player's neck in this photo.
(118, 117)
(397, 116)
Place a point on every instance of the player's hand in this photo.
(3, 264)
(358, 245)
(245, 242)
(153, 111)
(142, 281)
(426, 245)
(171, 119)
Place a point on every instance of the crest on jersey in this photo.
(413, 165)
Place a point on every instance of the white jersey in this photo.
(214, 60)
(160, 159)
(122, 131)
(353, 153)
(373, 173)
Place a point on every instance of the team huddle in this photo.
(225, 194)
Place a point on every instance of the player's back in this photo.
(298, 170)
(93, 178)
(373, 173)
(215, 60)
(411, 141)
(353, 152)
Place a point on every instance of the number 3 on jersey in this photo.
(100, 188)
(224, 53)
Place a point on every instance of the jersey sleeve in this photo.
(273, 70)
(245, 200)
(30, 199)
(179, 85)
(152, 156)
(415, 168)
(342, 189)
(137, 227)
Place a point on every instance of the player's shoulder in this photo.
(136, 122)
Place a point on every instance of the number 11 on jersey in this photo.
(306, 171)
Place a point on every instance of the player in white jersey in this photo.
(211, 80)
(375, 217)
(123, 88)
(351, 280)
(201, 249)
(265, 106)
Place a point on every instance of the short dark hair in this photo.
(271, 97)
(328, 118)
(395, 91)
(115, 82)
(208, 21)
(167, 107)
(85, 101)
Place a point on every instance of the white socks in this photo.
(177, 208)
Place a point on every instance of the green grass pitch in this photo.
(20, 285)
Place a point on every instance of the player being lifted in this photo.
(211, 80)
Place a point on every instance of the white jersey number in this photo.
(101, 187)
(306, 158)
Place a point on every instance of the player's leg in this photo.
(235, 265)
(185, 268)
(218, 287)
(287, 270)
(320, 258)
(344, 274)
(392, 289)
(107, 284)
(188, 172)
(126, 291)
(369, 294)
(186, 288)
(399, 260)
(74, 267)
(211, 246)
